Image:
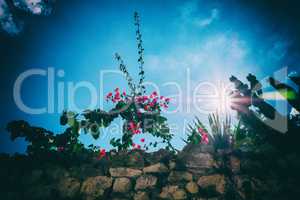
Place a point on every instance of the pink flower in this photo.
(109, 95)
(204, 138)
(136, 146)
(162, 97)
(117, 97)
(204, 135)
(139, 99)
(134, 128)
(117, 90)
(131, 125)
(164, 105)
(102, 153)
(154, 94)
(139, 114)
(151, 104)
(143, 140)
(154, 101)
(167, 100)
(60, 149)
(145, 98)
(201, 130)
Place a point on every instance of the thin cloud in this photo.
(190, 14)
(207, 21)
(216, 50)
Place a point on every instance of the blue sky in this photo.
(211, 39)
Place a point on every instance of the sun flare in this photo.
(223, 102)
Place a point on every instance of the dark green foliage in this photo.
(221, 131)
(255, 111)
(41, 141)
(194, 136)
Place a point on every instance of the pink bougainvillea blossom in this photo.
(60, 149)
(136, 146)
(109, 95)
(205, 138)
(102, 154)
(204, 135)
(153, 95)
(153, 102)
(134, 128)
(201, 130)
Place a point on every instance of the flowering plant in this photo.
(221, 132)
(141, 113)
(198, 133)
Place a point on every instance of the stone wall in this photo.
(198, 172)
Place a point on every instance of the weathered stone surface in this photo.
(55, 181)
(122, 185)
(141, 196)
(159, 156)
(177, 176)
(35, 193)
(168, 191)
(94, 187)
(85, 171)
(56, 173)
(156, 168)
(172, 165)
(216, 180)
(145, 181)
(192, 187)
(235, 164)
(200, 163)
(124, 172)
(69, 187)
(179, 194)
(198, 159)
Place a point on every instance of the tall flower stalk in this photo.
(141, 87)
